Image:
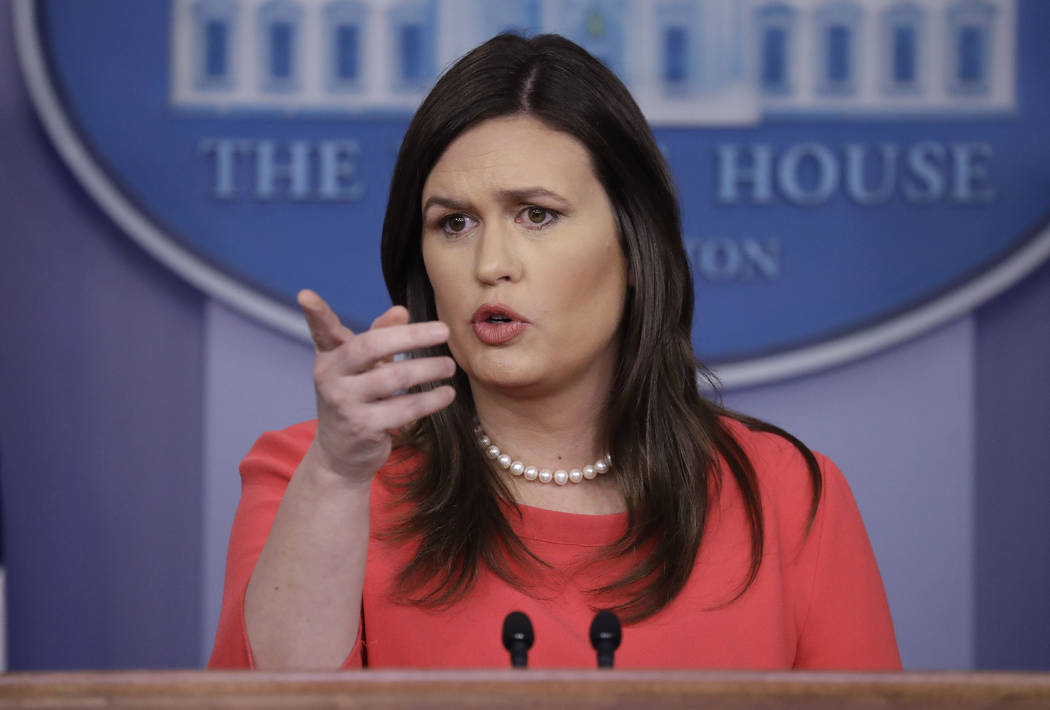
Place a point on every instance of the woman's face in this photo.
(521, 248)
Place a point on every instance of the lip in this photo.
(486, 310)
(497, 333)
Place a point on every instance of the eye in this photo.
(539, 216)
(455, 223)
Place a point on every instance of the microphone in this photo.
(605, 637)
(518, 638)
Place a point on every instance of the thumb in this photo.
(326, 330)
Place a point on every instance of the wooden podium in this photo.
(575, 690)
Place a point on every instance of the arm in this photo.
(302, 603)
(265, 475)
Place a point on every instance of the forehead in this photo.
(512, 152)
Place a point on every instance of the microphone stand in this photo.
(606, 635)
(518, 638)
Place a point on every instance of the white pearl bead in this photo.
(532, 473)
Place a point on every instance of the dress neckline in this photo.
(564, 528)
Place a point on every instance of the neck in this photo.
(555, 431)
(561, 430)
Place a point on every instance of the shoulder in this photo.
(276, 454)
(284, 444)
(777, 460)
(784, 476)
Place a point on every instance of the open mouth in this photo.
(497, 313)
(497, 324)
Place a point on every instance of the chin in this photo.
(499, 370)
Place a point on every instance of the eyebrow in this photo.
(524, 194)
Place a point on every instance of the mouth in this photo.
(496, 324)
(497, 313)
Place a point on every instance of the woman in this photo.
(562, 459)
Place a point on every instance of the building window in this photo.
(838, 54)
(900, 48)
(346, 52)
(214, 20)
(216, 50)
(837, 28)
(776, 26)
(281, 50)
(676, 53)
(903, 55)
(597, 26)
(412, 24)
(970, 28)
(971, 55)
(278, 33)
(411, 43)
(344, 62)
(774, 57)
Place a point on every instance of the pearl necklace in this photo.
(543, 475)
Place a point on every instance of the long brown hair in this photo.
(664, 436)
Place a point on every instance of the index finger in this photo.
(395, 315)
(326, 330)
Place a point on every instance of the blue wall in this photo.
(1013, 488)
(100, 421)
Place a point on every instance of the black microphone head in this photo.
(517, 629)
(605, 631)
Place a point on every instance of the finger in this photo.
(397, 377)
(326, 330)
(404, 409)
(370, 347)
(395, 315)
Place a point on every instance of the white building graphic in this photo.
(687, 62)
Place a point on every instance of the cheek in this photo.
(437, 273)
(595, 284)
(449, 296)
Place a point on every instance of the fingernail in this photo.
(440, 330)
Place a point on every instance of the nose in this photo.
(496, 257)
